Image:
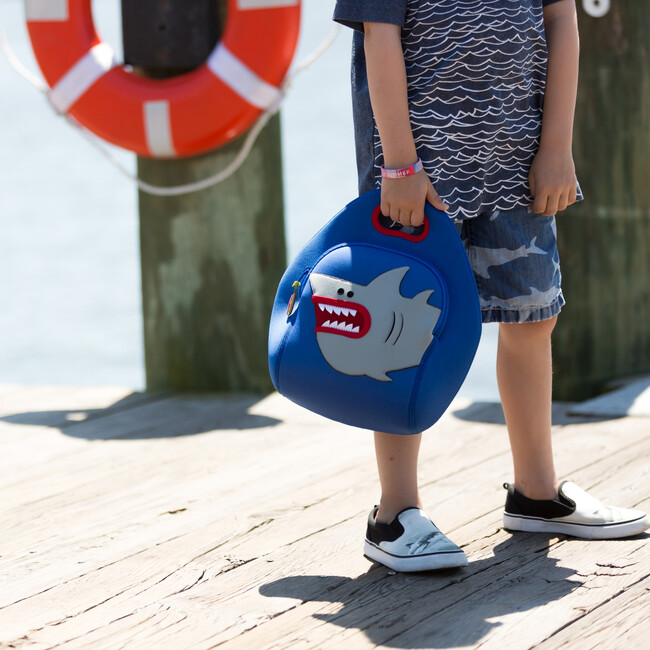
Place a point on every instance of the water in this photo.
(69, 257)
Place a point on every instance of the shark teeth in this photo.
(344, 321)
(339, 311)
(342, 326)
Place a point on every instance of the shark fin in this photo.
(423, 296)
(391, 278)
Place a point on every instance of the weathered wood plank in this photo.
(312, 549)
(160, 420)
(35, 515)
(620, 622)
(200, 618)
(103, 517)
(33, 419)
(107, 552)
(211, 263)
(204, 455)
(597, 574)
(280, 521)
(291, 489)
(47, 404)
(604, 240)
(499, 559)
(631, 399)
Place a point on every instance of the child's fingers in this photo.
(573, 195)
(405, 217)
(434, 198)
(439, 204)
(541, 199)
(417, 218)
(389, 209)
(559, 200)
(552, 204)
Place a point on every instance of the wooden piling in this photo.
(604, 330)
(211, 260)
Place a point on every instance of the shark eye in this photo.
(350, 294)
(341, 292)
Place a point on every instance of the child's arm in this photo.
(402, 199)
(552, 174)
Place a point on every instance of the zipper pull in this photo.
(292, 300)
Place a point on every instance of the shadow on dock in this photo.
(564, 413)
(444, 606)
(152, 415)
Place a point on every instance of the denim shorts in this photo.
(516, 265)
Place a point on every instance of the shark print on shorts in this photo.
(516, 265)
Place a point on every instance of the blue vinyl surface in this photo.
(383, 327)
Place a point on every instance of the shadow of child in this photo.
(441, 609)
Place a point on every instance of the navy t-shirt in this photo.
(476, 74)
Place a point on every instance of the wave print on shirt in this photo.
(476, 75)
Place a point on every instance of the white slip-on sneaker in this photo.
(411, 542)
(573, 512)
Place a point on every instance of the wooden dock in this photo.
(163, 521)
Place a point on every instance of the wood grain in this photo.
(604, 240)
(211, 264)
(178, 521)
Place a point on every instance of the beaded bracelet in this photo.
(404, 171)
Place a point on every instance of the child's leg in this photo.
(409, 541)
(397, 460)
(524, 378)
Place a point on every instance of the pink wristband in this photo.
(404, 171)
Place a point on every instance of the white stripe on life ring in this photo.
(265, 4)
(81, 76)
(242, 79)
(158, 129)
(46, 10)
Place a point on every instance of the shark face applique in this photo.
(371, 329)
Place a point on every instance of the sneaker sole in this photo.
(584, 531)
(407, 564)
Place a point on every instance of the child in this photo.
(459, 85)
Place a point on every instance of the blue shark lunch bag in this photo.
(375, 327)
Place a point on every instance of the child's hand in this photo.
(402, 199)
(552, 181)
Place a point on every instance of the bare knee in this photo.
(521, 333)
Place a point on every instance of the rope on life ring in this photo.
(165, 118)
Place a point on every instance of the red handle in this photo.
(419, 235)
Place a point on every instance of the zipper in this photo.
(295, 297)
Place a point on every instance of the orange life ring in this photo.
(181, 116)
